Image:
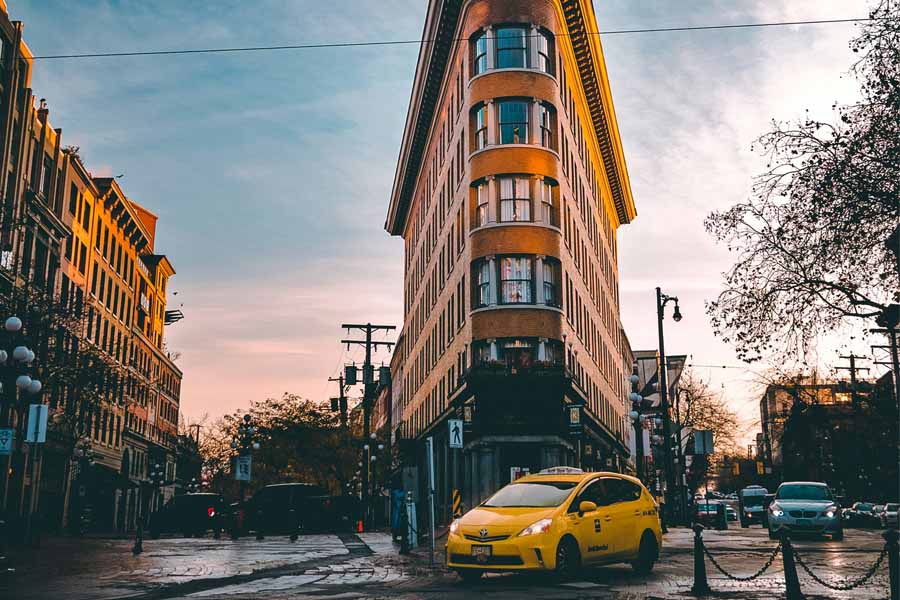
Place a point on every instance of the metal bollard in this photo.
(893, 549)
(138, 539)
(791, 581)
(701, 586)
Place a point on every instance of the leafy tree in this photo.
(810, 241)
(300, 440)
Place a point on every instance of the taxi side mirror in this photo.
(586, 506)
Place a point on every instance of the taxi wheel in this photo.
(648, 553)
(568, 559)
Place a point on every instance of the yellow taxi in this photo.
(558, 520)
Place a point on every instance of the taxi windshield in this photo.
(542, 494)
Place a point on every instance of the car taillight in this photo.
(210, 512)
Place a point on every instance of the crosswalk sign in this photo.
(456, 433)
(6, 441)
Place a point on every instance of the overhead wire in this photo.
(312, 46)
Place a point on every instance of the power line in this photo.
(426, 41)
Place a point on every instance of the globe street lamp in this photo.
(661, 301)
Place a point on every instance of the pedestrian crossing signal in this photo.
(736, 468)
(759, 468)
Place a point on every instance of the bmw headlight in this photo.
(542, 526)
(829, 513)
(776, 510)
(454, 526)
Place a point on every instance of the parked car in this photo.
(889, 515)
(711, 514)
(750, 505)
(859, 515)
(805, 506)
(731, 513)
(190, 515)
(876, 514)
(294, 508)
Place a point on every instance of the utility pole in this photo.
(368, 391)
(342, 399)
(889, 320)
(853, 369)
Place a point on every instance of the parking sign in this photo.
(6, 442)
(242, 468)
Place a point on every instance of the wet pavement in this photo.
(368, 566)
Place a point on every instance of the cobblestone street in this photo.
(368, 566)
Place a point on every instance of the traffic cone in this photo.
(359, 526)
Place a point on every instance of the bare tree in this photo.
(810, 241)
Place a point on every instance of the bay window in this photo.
(517, 354)
(545, 122)
(513, 121)
(479, 48)
(551, 282)
(483, 283)
(482, 205)
(544, 52)
(516, 280)
(481, 127)
(512, 47)
(548, 204)
(515, 199)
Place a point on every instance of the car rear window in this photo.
(891, 507)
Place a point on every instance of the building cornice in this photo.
(440, 31)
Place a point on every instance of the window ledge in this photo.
(517, 306)
(514, 224)
(497, 146)
(511, 70)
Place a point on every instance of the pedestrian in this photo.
(397, 498)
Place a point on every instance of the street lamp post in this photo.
(244, 443)
(635, 415)
(661, 301)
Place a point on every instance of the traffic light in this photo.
(335, 404)
(759, 468)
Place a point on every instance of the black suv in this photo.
(190, 514)
(293, 508)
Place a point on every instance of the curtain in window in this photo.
(481, 132)
(484, 283)
(546, 126)
(511, 47)
(548, 214)
(515, 199)
(515, 280)
(513, 122)
(550, 293)
(483, 213)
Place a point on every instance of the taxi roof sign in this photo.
(561, 471)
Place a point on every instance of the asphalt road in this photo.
(368, 566)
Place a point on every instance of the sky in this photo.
(271, 171)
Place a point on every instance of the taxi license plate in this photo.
(481, 553)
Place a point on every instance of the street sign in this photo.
(6, 442)
(456, 433)
(37, 424)
(242, 468)
(703, 441)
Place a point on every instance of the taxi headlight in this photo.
(454, 526)
(542, 526)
